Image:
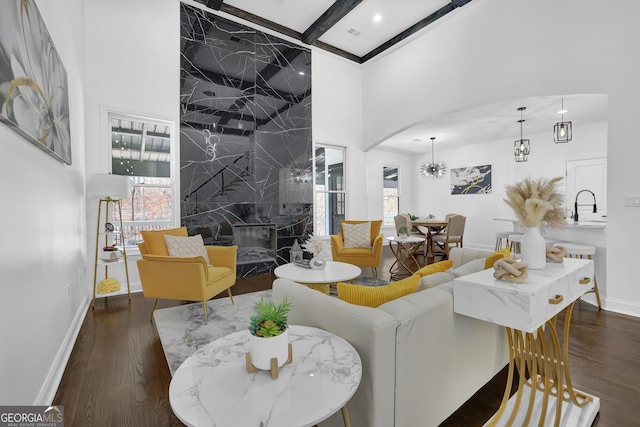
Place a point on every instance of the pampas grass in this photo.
(537, 201)
(315, 245)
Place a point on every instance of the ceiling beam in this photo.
(328, 19)
(258, 20)
(213, 4)
(338, 51)
(414, 28)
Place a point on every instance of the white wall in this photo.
(132, 66)
(43, 250)
(547, 160)
(492, 50)
(337, 120)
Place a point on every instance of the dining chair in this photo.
(451, 237)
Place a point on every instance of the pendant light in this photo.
(433, 169)
(521, 146)
(562, 131)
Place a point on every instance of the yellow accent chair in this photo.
(360, 257)
(184, 278)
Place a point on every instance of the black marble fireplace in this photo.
(245, 136)
(256, 243)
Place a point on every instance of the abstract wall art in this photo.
(471, 180)
(33, 81)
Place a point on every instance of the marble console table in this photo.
(213, 388)
(526, 310)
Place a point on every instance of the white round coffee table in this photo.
(213, 388)
(333, 273)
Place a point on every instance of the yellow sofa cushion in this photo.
(373, 296)
(154, 240)
(491, 259)
(437, 267)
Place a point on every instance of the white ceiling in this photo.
(395, 19)
(295, 14)
(452, 129)
(299, 15)
(496, 122)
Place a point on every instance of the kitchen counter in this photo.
(586, 224)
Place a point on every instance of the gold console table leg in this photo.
(542, 362)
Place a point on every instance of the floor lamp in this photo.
(109, 189)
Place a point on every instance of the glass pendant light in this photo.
(562, 131)
(521, 146)
(433, 169)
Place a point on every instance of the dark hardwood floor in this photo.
(117, 374)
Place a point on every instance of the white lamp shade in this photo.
(105, 185)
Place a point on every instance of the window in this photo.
(329, 190)
(390, 194)
(141, 150)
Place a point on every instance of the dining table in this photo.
(432, 226)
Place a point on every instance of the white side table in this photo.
(526, 310)
(213, 388)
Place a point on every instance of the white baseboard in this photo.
(622, 307)
(52, 381)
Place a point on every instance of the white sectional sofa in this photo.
(421, 361)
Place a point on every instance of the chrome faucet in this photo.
(595, 208)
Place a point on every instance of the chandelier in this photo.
(562, 131)
(433, 169)
(521, 147)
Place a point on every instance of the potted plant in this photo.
(269, 334)
(403, 231)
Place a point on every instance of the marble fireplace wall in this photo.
(245, 133)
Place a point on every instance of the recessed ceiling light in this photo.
(377, 18)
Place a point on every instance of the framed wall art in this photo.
(471, 180)
(34, 98)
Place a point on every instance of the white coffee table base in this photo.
(213, 388)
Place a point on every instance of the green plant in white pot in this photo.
(403, 231)
(269, 334)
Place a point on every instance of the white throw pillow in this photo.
(469, 268)
(186, 246)
(435, 279)
(357, 235)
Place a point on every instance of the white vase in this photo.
(264, 349)
(533, 248)
(317, 263)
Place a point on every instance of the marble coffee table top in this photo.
(213, 388)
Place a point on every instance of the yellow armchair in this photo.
(359, 256)
(184, 278)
